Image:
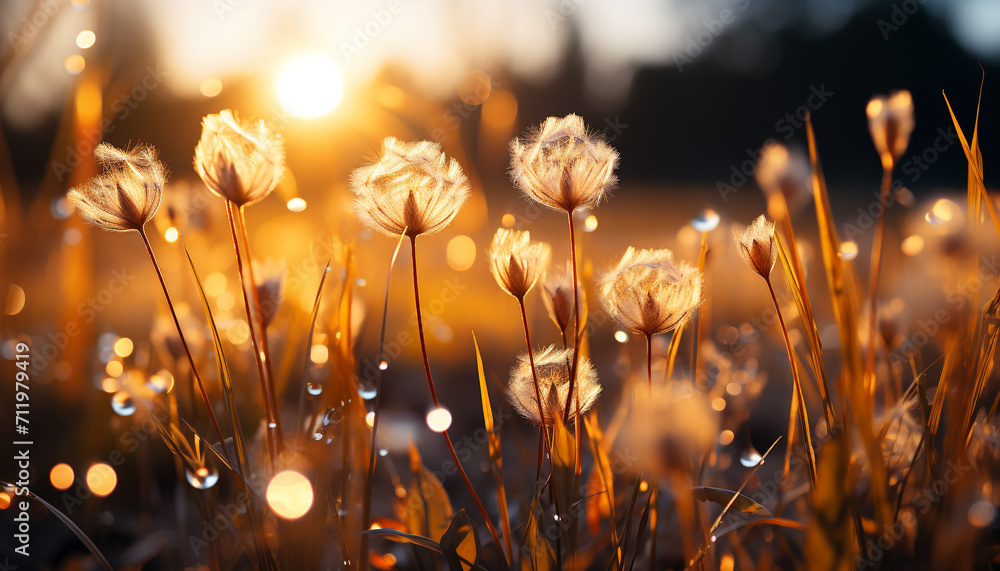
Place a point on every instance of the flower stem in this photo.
(876, 268)
(264, 345)
(180, 334)
(653, 496)
(797, 390)
(534, 377)
(576, 321)
(434, 398)
(272, 443)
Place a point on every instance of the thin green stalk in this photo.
(180, 334)
(272, 439)
(538, 391)
(434, 398)
(797, 389)
(876, 268)
(576, 321)
(264, 344)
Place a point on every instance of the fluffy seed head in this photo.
(890, 120)
(517, 263)
(562, 166)
(648, 293)
(409, 187)
(240, 161)
(552, 367)
(756, 246)
(557, 294)
(126, 195)
(784, 172)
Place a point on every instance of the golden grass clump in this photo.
(240, 161)
(410, 187)
(756, 246)
(649, 293)
(563, 166)
(552, 369)
(126, 195)
(516, 261)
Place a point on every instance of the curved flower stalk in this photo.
(890, 121)
(242, 162)
(758, 249)
(563, 166)
(411, 189)
(124, 197)
(518, 263)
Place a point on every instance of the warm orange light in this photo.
(289, 494)
(101, 479)
(461, 253)
(123, 347)
(85, 39)
(61, 476)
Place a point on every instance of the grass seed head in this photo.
(562, 166)
(890, 120)
(648, 293)
(756, 246)
(409, 187)
(552, 368)
(240, 161)
(126, 195)
(516, 261)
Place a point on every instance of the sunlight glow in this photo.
(310, 86)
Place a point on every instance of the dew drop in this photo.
(383, 452)
(750, 457)
(317, 436)
(367, 390)
(332, 416)
(706, 221)
(202, 478)
(383, 366)
(314, 388)
(122, 403)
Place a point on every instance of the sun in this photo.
(310, 86)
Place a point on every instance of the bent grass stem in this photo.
(434, 398)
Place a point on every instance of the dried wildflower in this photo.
(517, 263)
(269, 278)
(890, 120)
(557, 294)
(552, 369)
(648, 293)
(410, 187)
(756, 246)
(562, 166)
(240, 161)
(784, 172)
(126, 195)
